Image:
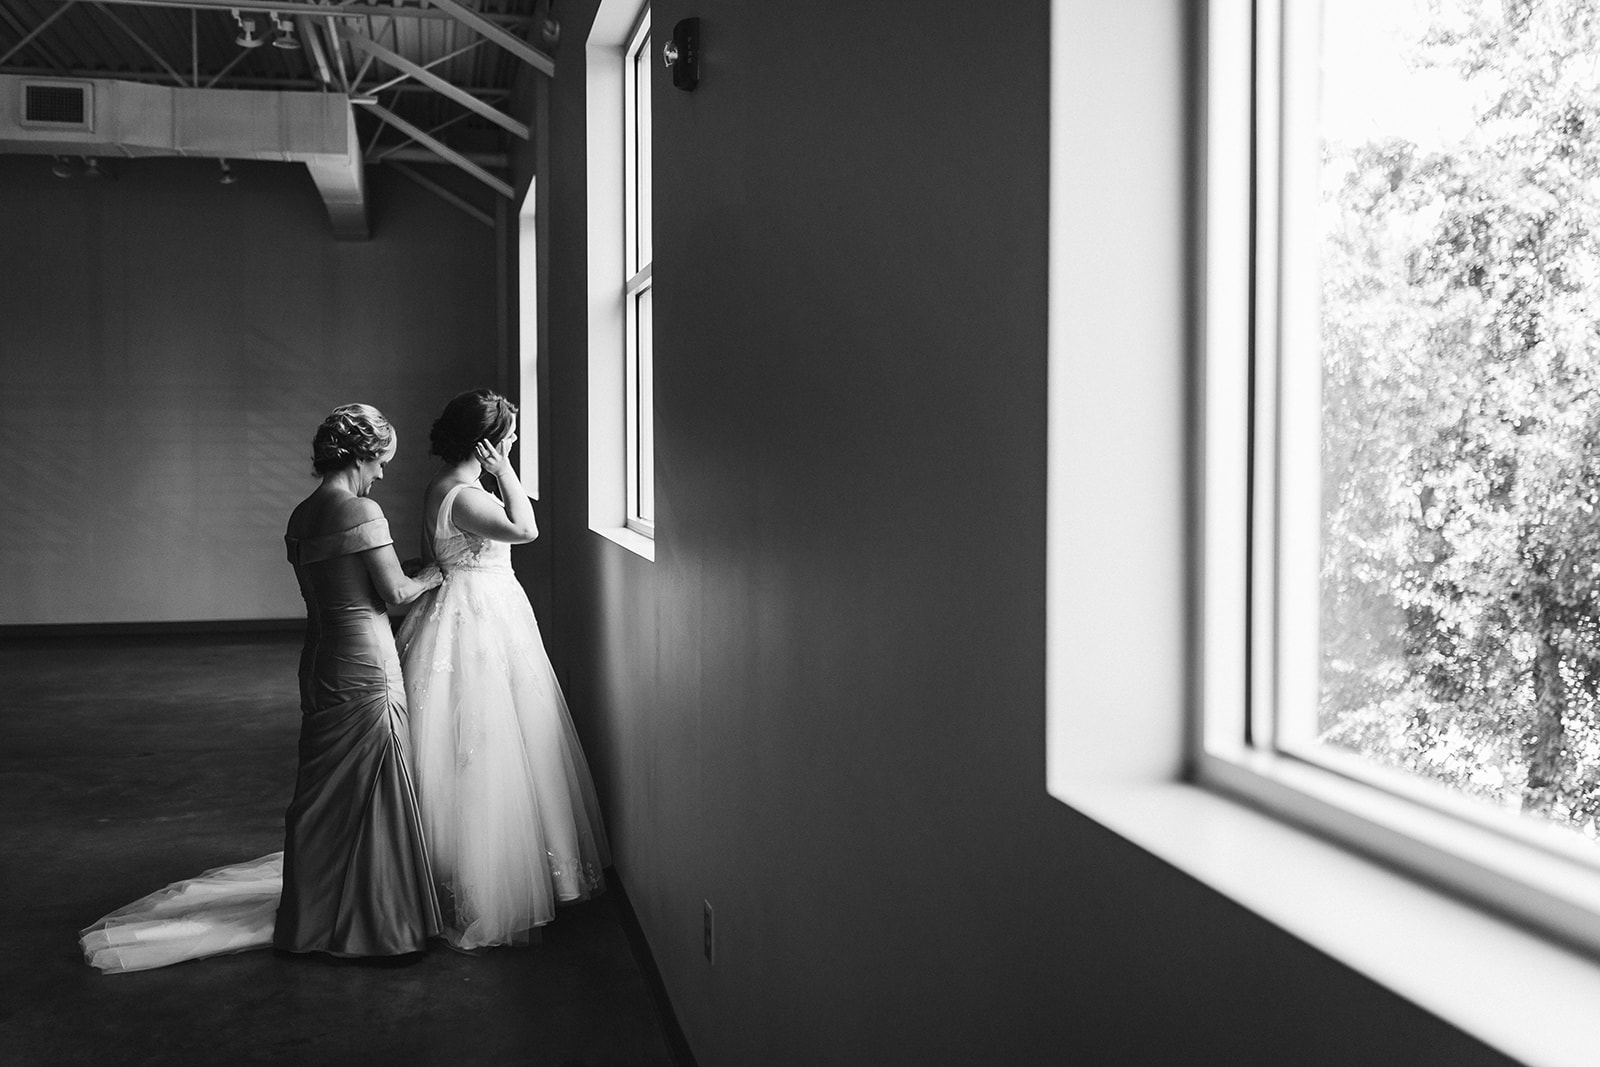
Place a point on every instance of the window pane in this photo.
(528, 343)
(641, 82)
(630, 403)
(639, 420)
(1457, 223)
(646, 434)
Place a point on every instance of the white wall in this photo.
(167, 347)
(822, 707)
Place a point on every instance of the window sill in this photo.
(632, 540)
(1513, 990)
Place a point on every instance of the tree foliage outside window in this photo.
(1460, 326)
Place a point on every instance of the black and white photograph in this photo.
(795, 533)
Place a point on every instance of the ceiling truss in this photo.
(425, 60)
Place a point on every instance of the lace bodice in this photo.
(454, 549)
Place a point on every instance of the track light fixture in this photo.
(247, 32)
(284, 32)
(227, 177)
(87, 167)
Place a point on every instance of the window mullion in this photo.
(1266, 340)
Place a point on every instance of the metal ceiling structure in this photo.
(427, 80)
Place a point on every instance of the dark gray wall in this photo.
(167, 347)
(822, 707)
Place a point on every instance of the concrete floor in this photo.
(128, 763)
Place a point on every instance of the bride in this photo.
(508, 807)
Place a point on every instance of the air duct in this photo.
(101, 117)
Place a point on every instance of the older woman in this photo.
(353, 878)
(356, 880)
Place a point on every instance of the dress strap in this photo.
(444, 523)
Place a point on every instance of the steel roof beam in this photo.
(411, 153)
(442, 150)
(446, 124)
(241, 82)
(141, 42)
(48, 53)
(337, 48)
(238, 57)
(392, 82)
(510, 42)
(36, 31)
(436, 83)
(341, 9)
(313, 41)
(444, 194)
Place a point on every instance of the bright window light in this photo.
(639, 423)
(619, 290)
(528, 342)
(1421, 492)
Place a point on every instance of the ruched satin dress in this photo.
(356, 880)
(353, 878)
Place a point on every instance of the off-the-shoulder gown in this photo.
(353, 878)
(509, 809)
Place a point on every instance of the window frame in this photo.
(530, 324)
(1258, 302)
(637, 289)
(613, 278)
(1126, 625)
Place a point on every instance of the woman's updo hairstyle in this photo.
(350, 434)
(476, 415)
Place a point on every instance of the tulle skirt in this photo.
(226, 909)
(508, 806)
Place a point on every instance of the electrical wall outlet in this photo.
(710, 932)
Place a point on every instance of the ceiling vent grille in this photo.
(58, 105)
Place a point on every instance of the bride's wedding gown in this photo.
(508, 807)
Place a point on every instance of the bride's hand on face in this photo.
(494, 460)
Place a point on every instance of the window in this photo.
(1147, 554)
(636, 289)
(618, 71)
(1401, 519)
(529, 325)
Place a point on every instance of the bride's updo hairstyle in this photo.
(477, 415)
(350, 434)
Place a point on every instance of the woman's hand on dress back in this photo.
(383, 566)
(420, 570)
